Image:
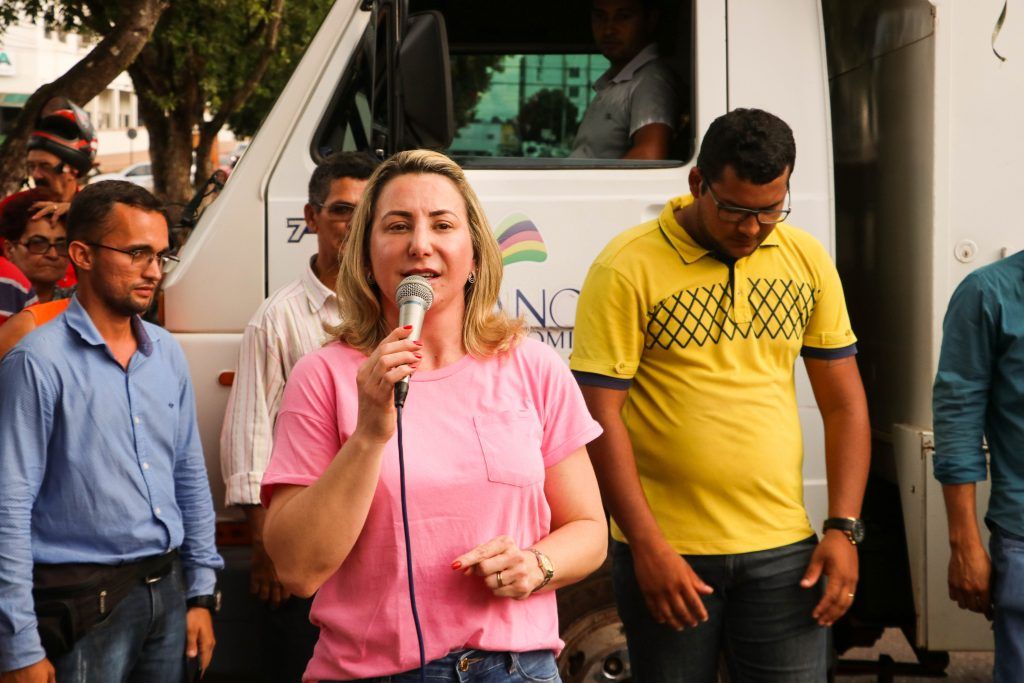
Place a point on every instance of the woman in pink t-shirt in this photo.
(503, 504)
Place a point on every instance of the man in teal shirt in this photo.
(979, 394)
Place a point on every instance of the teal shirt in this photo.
(979, 389)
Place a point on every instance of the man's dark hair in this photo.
(16, 210)
(90, 209)
(758, 145)
(356, 165)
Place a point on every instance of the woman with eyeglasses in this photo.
(38, 246)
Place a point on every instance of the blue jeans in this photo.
(478, 666)
(1008, 597)
(758, 616)
(141, 641)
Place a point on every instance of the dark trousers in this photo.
(759, 616)
(287, 641)
(1008, 597)
(141, 641)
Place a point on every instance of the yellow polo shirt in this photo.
(707, 356)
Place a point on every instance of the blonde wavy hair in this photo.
(486, 330)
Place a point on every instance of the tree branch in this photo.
(85, 80)
(235, 99)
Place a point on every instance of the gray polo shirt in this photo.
(644, 92)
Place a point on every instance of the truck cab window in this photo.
(547, 84)
(523, 83)
(348, 126)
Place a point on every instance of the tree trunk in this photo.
(209, 130)
(204, 164)
(158, 78)
(82, 82)
(170, 151)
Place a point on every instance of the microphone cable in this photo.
(408, 543)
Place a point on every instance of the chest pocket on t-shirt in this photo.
(510, 443)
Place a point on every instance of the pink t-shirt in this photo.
(478, 436)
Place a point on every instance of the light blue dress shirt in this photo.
(979, 389)
(97, 464)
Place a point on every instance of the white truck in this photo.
(903, 112)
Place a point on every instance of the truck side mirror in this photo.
(425, 74)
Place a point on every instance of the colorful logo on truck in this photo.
(520, 240)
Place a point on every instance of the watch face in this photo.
(857, 531)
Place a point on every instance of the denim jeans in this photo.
(141, 641)
(478, 666)
(758, 616)
(1008, 597)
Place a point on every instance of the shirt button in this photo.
(136, 420)
(145, 465)
(156, 511)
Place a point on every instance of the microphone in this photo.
(414, 296)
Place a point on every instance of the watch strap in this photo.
(544, 562)
(210, 602)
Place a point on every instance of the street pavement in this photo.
(964, 667)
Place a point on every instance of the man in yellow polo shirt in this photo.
(687, 332)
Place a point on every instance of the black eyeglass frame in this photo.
(135, 254)
(60, 246)
(756, 213)
(350, 209)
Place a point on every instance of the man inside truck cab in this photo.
(287, 326)
(688, 330)
(635, 111)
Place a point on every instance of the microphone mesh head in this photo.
(415, 286)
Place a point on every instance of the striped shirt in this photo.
(287, 326)
(15, 290)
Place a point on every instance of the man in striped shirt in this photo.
(288, 325)
(15, 290)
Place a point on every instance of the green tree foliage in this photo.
(205, 59)
(471, 78)
(548, 116)
(122, 27)
(299, 25)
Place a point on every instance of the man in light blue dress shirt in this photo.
(101, 464)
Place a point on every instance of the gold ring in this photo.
(500, 582)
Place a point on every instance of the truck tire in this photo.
(595, 643)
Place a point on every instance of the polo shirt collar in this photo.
(317, 293)
(648, 54)
(78, 320)
(688, 248)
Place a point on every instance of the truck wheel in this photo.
(595, 643)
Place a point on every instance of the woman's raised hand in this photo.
(506, 569)
(395, 357)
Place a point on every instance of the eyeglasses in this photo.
(738, 214)
(143, 256)
(338, 211)
(41, 245)
(44, 167)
